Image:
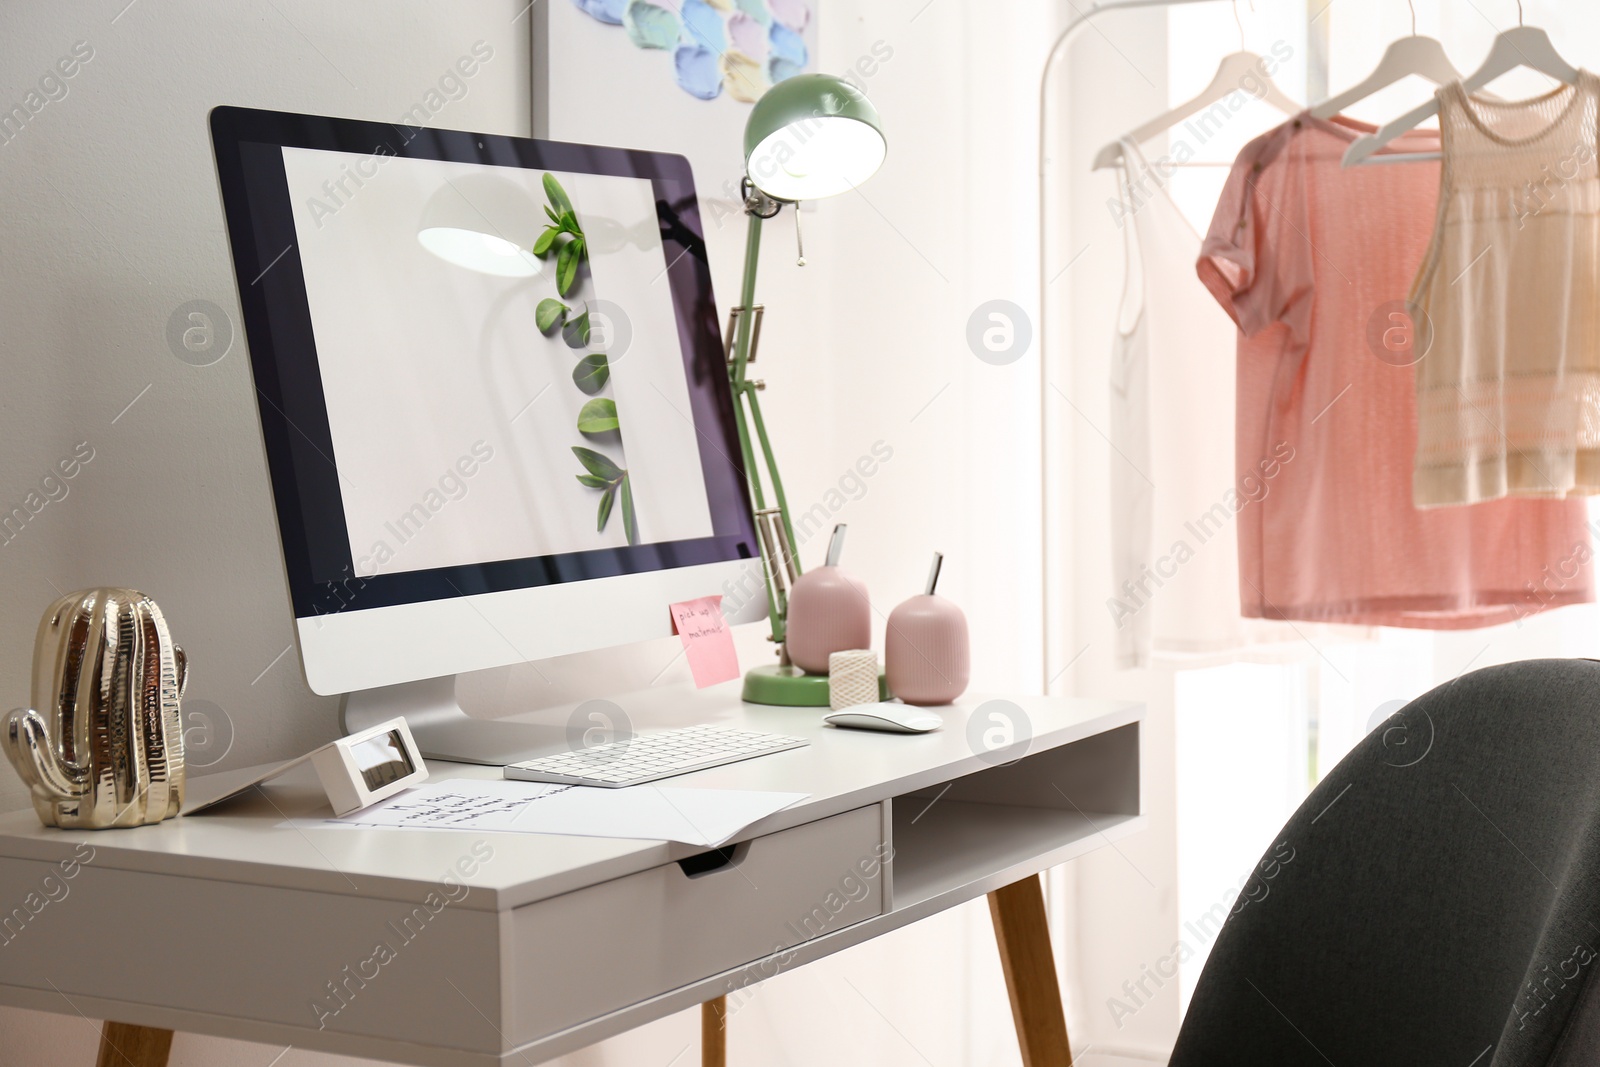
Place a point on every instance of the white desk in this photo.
(224, 923)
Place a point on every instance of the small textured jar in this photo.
(926, 651)
(852, 678)
(828, 612)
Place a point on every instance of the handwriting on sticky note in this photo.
(707, 640)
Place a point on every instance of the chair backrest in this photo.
(1436, 900)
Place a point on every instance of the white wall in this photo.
(115, 222)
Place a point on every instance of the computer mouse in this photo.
(889, 717)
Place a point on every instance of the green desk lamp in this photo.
(810, 136)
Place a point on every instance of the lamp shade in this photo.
(484, 223)
(811, 136)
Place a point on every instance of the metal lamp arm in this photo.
(779, 564)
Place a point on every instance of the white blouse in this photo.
(1508, 392)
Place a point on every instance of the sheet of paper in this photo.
(457, 804)
(706, 817)
(707, 640)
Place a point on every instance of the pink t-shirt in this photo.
(1313, 261)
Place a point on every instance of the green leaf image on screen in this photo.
(558, 195)
(598, 465)
(576, 331)
(563, 236)
(598, 416)
(612, 480)
(567, 261)
(591, 373)
(630, 525)
(549, 314)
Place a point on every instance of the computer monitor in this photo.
(493, 399)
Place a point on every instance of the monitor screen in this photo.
(454, 421)
(483, 363)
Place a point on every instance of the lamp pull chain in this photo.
(799, 241)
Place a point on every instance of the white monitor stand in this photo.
(351, 651)
(444, 731)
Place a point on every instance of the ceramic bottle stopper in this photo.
(926, 651)
(828, 612)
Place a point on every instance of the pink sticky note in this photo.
(707, 640)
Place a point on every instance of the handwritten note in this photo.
(458, 804)
(707, 640)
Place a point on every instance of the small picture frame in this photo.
(366, 767)
(369, 765)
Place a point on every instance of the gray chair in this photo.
(1436, 900)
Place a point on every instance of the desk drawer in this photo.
(592, 951)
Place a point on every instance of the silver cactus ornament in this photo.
(102, 744)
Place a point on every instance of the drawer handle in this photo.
(704, 863)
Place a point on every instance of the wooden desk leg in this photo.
(126, 1045)
(1024, 938)
(714, 1033)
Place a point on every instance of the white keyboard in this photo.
(650, 757)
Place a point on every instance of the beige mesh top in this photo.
(1508, 393)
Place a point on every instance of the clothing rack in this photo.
(1316, 77)
(1057, 52)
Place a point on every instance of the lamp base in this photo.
(791, 687)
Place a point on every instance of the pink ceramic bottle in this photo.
(828, 612)
(926, 651)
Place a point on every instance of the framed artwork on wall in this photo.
(666, 75)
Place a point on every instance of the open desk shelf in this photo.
(939, 854)
(986, 830)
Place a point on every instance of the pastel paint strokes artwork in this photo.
(741, 47)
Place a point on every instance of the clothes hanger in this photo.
(1422, 56)
(1522, 46)
(1233, 73)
